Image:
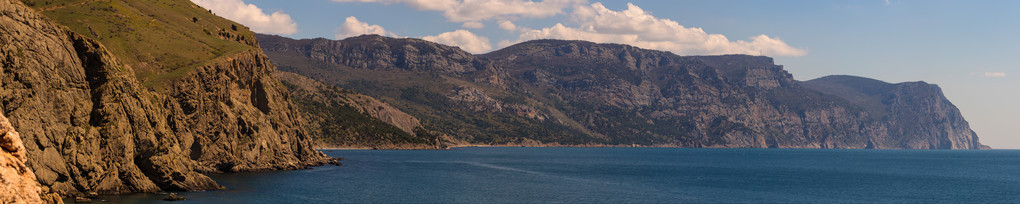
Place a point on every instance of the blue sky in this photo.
(969, 48)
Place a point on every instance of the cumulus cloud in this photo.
(995, 74)
(477, 10)
(353, 27)
(636, 27)
(473, 25)
(463, 39)
(507, 25)
(251, 16)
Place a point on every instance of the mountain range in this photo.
(125, 96)
(577, 93)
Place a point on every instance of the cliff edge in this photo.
(90, 125)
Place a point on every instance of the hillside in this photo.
(90, 124)
(161, 39)
(555, 92)
(338, 118)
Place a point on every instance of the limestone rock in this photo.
(90, 127)
(17, 182)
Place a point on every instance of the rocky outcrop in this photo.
(90, 127)
(87, 125)
(17, 182)
(584, 93)
(917, 110)
(240, 117)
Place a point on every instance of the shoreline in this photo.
(615, 146)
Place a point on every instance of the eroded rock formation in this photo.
(17, 182)
(90, 127)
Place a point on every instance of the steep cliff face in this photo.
(90, 127)
(241, 117)
(584, 93)
(917, 110)
(87, 125)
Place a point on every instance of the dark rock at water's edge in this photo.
(90, 125)
(80, 199)
(174, 197)
(576, 93)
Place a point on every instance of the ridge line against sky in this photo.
(969, 48)
(587, 21)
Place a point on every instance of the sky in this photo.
(971, 49)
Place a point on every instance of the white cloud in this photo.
(473, 25)
(887, 2)
(507, 25)
(353, 27)
(251, 16)
(477, 10)
(636, 27)
(995, 74)
(463, 39)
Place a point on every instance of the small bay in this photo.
(631, 175)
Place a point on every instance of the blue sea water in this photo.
(631, 175)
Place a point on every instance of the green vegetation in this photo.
(722, 125)
(342, 124)
(161, 39)
(435, 111)
(332, 121)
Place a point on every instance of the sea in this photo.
(629, 175)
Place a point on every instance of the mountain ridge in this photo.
(601, 93)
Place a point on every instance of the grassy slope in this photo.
(160, 39)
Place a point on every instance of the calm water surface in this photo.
(631, 175)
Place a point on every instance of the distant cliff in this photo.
(90, 123)
(582, 93)
(917, 111)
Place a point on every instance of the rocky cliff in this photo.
(913, 109)
(241, 117)
(17, 180)
(583, 93)
(90, 126)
